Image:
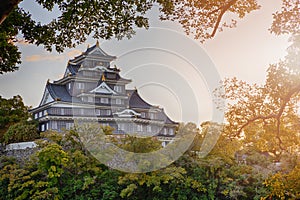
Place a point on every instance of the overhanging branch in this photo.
(6, 7)
(276, 116)
(220, 16)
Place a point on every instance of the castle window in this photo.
(165, 131)
(152, 115)
(143, 115)
(118, 88)
(69, 86)
(45, 112)
(104, 100)
(69, 125)
(139, 127)
(36, 116)
(148, 128)
(97, 112)
(54, 125)
(121, 126)
(105, 112)
(43, 127)
(171, 131)
(40, 114)
(81, 111)
(47, 126)
(118, 101)
(80, 85)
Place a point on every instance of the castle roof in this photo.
(94, 52)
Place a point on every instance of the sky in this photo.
(167, 67)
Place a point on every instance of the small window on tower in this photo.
(171, 131)
(80, 85)
(104, 100)
(43, 127)
(118, 101)
(139, 127)
(54, 125)
(149, 128)
(69, 125)
(118, 88)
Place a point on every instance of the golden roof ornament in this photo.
(103, 78)
(97, 44)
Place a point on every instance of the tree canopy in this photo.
(106, 19)
(12, 111)
(267, 116)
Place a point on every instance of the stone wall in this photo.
(20, 151)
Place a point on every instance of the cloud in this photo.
(37, 57)
(43, 57)
(73, 53)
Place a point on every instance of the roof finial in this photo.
(97, 44)
(88, 46)
(103, 77)
(48, 81)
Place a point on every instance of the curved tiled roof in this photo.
(60, 92)
(135, 101)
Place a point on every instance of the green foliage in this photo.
(285, 186)
(138, 145)
(22, 132)
(12, 111)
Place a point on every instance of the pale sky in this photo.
(168, 68)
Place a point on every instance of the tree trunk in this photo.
(6, 7)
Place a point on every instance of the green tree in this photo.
(284, 185)
(12, 111)
(21, 132)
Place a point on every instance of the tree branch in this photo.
(277, 116)
(223, 9)
(6, 7)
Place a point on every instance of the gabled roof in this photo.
(127, 113)
(95, 51)
(103, 88)
(47, 97)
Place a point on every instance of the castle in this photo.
(92, 89)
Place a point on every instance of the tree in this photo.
(12, 111)
(285, 185)
(21, 132)
(107, 19)
(267, 116)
